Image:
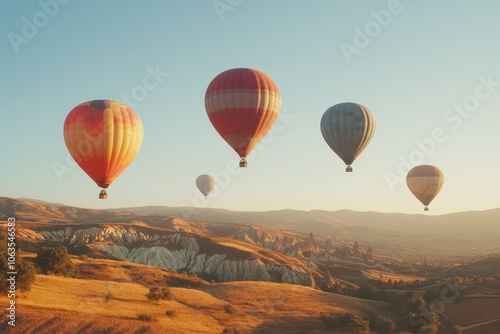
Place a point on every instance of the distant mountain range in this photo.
(458, 234)
(466, 233)
(470, 223)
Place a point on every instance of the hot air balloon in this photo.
(103, 137)
(242, 105)
(347, 128)
(205, 183)
(425, 182)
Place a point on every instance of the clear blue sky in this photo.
(413, 69)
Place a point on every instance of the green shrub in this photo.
(147, 317)
(24, 268)
(332, 320)
(160, 293)
(109, 296)
(83, 257)
(55, 260)
(230, 309)
(359, 325)
(384, 325)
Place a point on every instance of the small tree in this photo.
(4, 268)
(147, 317)
(109, 296)
(170, 313)
(427, 323)
(333, 320)
(160, 293)
(83, 257)
(24, 268)
(359, 325)
(384, 325)
(369, 291)
(434, 324)
(55, 260)
(26, 273)
(414, 304)
(230, 309)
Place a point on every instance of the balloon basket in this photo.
(243, 162)
(348, 169)
(103, 194)
(426, 208)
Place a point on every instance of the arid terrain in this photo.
(264, 272)
(70, 304)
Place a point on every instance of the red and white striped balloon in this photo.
(242, 104)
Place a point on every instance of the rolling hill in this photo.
(96, 304)
(239, 272)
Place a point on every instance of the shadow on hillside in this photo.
(293, 326)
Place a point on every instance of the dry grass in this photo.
(491, 328)
(104, 270)
(69, 304)
(118, 271)
(284, 308)
(484, 290)
(385, 276)
(66, 305)
(32, 320)
(473, 310)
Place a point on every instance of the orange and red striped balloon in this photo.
(103, 137)
(242, 104)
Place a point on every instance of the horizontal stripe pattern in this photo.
(242, 78)
(237, 99)
(242, 105)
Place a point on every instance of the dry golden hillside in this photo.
(65, 305)
(114, 302)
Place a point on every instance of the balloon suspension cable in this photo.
(103, 194)
(243, 162)
(426, 208)
(348, 169)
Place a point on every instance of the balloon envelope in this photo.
(206, 184)
(425, 182)
(347, 128)
(242, 105)
(103, 137)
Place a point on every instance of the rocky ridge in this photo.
(220, 259)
